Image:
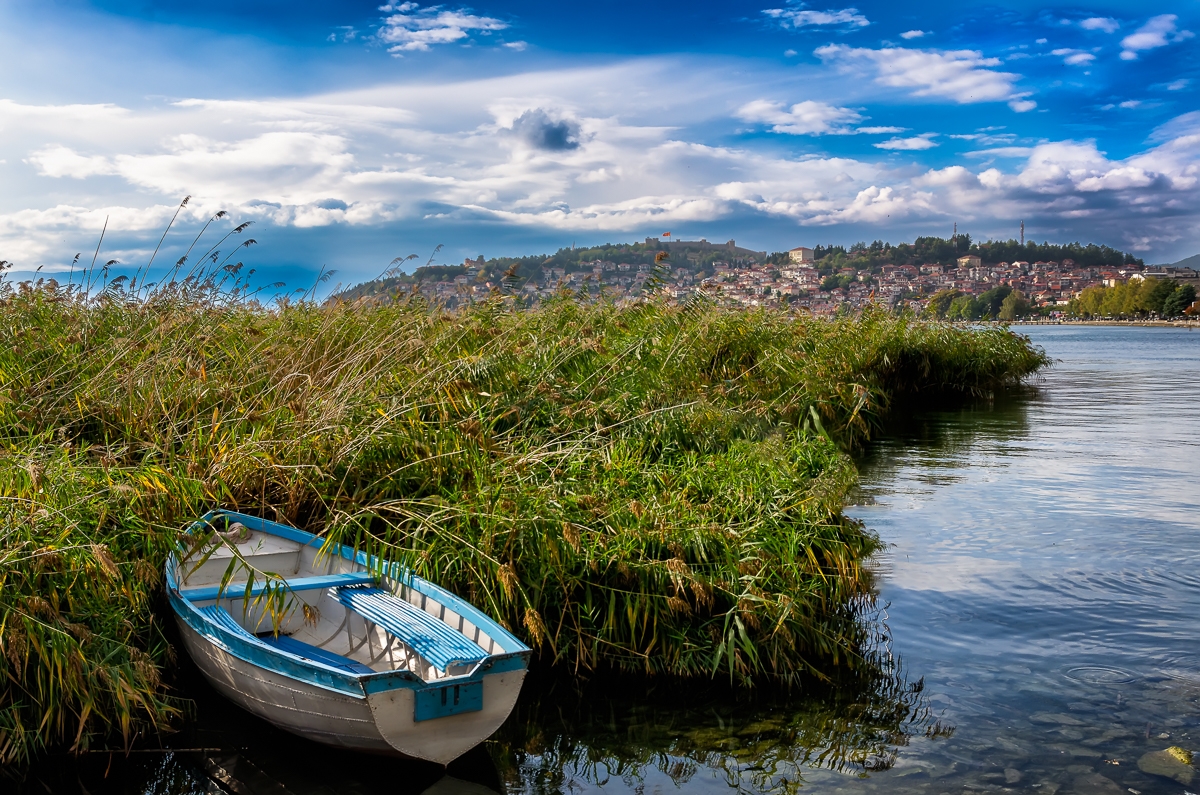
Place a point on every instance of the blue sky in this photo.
(354, 132)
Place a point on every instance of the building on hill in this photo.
(802, 254)
(969, 261)
(1179, 275)
(689, 247)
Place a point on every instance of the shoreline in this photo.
(1124, 323)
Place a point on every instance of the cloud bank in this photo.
(533, 152)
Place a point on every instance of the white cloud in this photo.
(1074, 57)
(1159, 31)
(876, 205)
(408, 27)
(1130, 103)
(519, 46)
(286, 167)
(1179, 85)
(796, 16)
(401, 156)
(1106, 24)
(59, 161)
(963, 76)
(804, 118)
(879, 130)
(986, 137)
(1002, 151)
(914, 144)
(913, 34)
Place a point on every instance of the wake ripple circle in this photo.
(1101, 675)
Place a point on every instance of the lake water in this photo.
(1041, 589)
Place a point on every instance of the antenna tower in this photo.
(1022, 233)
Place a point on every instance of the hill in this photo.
(699, 257)
(625, 268)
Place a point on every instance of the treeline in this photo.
(946, 251)
(501, 271)
(999, 303)
(1150, 296)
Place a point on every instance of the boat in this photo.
(338, 647)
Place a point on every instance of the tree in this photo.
(1015, 305)
(1153, 294)
(991, 301)
(939, 304)
(965, 307)
(1179, 300)
(833, 282)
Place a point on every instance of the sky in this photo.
(351, 133)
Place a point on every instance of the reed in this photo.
(650, 488)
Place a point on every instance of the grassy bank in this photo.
(651, 488)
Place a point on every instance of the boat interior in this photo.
(327, 609)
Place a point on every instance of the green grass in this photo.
(651, 488)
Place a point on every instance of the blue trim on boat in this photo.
(250, 649)
(445, 700)
(293, 584)
(309, 652)
(514, 656)
(504, 639)
(222, 618)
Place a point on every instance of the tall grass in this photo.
(648, 488)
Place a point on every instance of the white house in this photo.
(802, 254)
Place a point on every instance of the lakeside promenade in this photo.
(1123, 323)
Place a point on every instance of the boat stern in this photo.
(443, 720)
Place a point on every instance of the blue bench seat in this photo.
(232, 590)
(221, 617)
(424, 634)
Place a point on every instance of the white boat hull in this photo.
(379, 723)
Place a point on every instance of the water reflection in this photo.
(628, 734)
(1042, 569)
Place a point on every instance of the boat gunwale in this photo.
(514, 655)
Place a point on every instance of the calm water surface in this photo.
(1042, 594)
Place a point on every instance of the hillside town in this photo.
(799, 278)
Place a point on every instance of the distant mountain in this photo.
(1192, 262)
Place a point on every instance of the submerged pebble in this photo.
(1095, 784)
